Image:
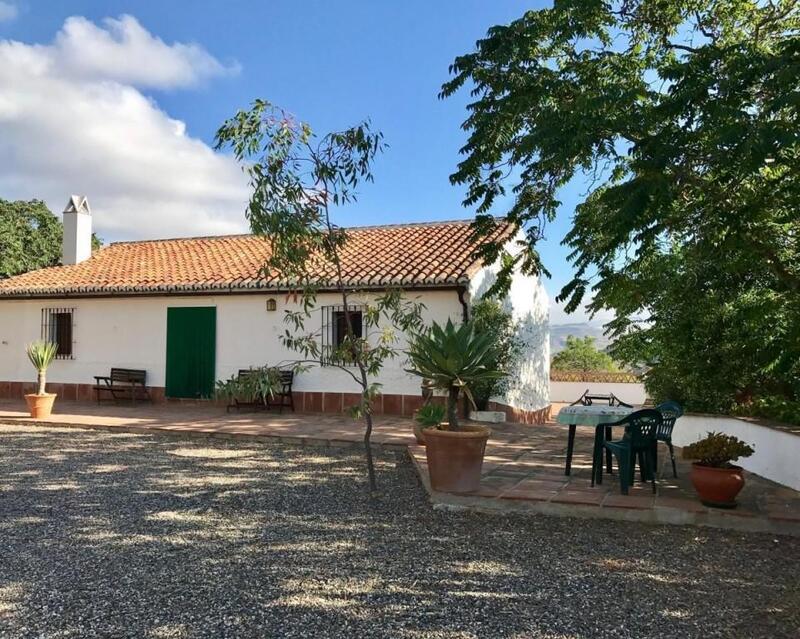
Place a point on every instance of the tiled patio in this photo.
(523, 469)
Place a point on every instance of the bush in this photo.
(717, 450)
(488, 317)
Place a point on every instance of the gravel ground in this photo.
(118, 535)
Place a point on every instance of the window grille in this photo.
(57, 328)
(334, 332)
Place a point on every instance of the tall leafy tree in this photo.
(683, 118)
(581, 354)
(297, 180)
(30, 237)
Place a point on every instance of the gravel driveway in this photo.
(119, 535)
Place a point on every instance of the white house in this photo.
(194, 310)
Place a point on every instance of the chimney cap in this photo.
(78, 204)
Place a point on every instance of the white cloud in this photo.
(72, 120)
(8, 11)
(125, 51)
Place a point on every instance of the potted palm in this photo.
(716, 480)
(41, 354)
(452, 360)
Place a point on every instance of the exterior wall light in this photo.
(272, 305)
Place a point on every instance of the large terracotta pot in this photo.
(717, 487)
(40, 406)
(455, 458)
(419, 433)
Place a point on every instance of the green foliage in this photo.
(30, 237)
(296, 180)
(717, 450)
(259, 384)
(771, 407)
(490, 318)
(41, 354)
(431, 415)
(228, 390)
(580, 354)
(682, 118)
(453, 359)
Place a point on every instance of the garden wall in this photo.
(777, 447)
(570, 391)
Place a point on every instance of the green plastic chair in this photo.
(670, 411)
(638, 443)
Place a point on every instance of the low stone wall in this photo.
(68, 392)
(777, 447)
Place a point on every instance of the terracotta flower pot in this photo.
(419, 433)
(717, 487)
(455, 458)
(40, 406)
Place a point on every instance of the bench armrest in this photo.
(102, 378)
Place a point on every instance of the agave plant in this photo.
(41, 355)
(452, 359)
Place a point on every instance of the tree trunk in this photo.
(41, 377)
(373, 485)
(452, 407)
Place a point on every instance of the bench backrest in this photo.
(128, 376)
(287, 378)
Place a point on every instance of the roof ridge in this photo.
(366, 227)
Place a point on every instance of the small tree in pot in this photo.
(41, 354)
(453, 359)
(716, 480)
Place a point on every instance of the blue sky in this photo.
(331, 63)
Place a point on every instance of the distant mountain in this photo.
(559, 333)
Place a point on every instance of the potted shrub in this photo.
(429, 416)
(41, 354)
(716, 480)
(452, 359)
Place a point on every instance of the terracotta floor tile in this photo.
(688, 505)
(639, 502)
(530, 494)
(566, 496)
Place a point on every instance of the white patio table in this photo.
(599, 417)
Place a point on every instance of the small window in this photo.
(57, 328)
(334, 330)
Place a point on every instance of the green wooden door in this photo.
(191, 351)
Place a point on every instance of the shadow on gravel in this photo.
(144, 536)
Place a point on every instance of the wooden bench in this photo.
(284, 397)
(123, 383)
(237, 403)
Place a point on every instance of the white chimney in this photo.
(77, 244)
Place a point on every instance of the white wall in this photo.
(131, 333)
(776, 452)
(570, 391)
(528, 303)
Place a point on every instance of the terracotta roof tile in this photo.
(411, 255)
